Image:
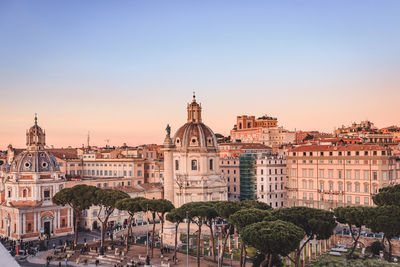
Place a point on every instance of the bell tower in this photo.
(194, 111)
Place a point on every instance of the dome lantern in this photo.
(35, 137)
(194, 111)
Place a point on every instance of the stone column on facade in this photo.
(39, 222)
(315, 245)
(59, 218)
(69, 217)
(34, 222)
(23, 223)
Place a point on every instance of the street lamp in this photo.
(187, 239)
(147, 235)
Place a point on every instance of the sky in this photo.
(123, 70)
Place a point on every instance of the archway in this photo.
(47, 226)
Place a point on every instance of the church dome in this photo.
(35, 158)
(34, 161)
(195, 134)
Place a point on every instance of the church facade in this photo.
(27, 186)
(191, 162)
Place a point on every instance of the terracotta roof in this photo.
(67, 153)
(246, 145)
(336, 148)
(141, 188)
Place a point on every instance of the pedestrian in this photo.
(66, 260)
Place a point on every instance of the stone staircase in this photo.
(107, 258)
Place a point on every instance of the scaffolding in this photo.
(247, 177)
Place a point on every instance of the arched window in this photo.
(29, 227)
(176, 165)
(248, 125)
(24, 192)
(211, 164)
(240, 125)
(194, 165)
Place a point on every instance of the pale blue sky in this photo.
(123, 69)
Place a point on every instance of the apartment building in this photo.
(327, 176)
(263, 130)
(271, 176)
(106, 164)
(230, 170)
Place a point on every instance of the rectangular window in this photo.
(304, 184)
(348, 187)
(357, 188)
(194, 165)
(366, 176)
(330, 174)
(366, 201)
(348, 174)
(311, 173)
(357, 200)
(311, 185)
(139, 173)
(46, 194)
(375, 175)
(340, 174)
(311, 196)
(304, 173)
(294, 172)
(321, 173)
(304, 195)
(349, 200)
(366, 188)
(357, 175)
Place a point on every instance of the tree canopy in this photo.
(385, 219)
(254, 204)
(79, 198)
(273, 237)
(245, 217)
(107, 199)
(389, 195)
(316, 223)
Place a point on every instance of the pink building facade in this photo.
(326, 176)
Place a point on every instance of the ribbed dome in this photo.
(195, 136)
(34, 161)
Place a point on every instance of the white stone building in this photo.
(271, 175)
(191, 162)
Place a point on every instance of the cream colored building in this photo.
(327, 176)
(191, 162)
(271, 175)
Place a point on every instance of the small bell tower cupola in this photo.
(194, 111)
(35, 137)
